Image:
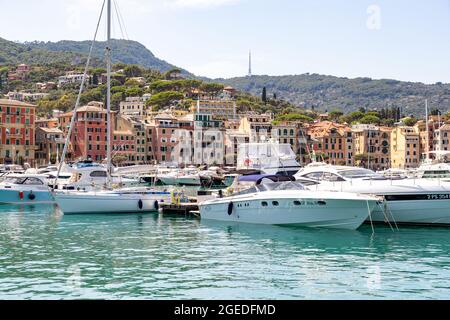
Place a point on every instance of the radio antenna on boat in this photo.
(77, 103)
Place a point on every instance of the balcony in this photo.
(14, 135)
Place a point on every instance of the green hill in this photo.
(12, 53)
(124, 51)
(75, 52)
(307, 91)
(327, 92)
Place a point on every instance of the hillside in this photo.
(75, 52)
(328, 92)
(124, 51)
(12, 53)
(306, 91)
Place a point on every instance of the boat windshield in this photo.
(360, 173)
(15, 180)
(275, 186)
(23, 180)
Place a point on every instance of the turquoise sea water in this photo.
(45, 255)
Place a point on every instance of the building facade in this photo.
(17, 132)
(373, 143)
(332, 142)
(405, 148)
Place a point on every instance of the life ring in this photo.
(247, 162)
(230, 208)
(140, 204)
(31, 196)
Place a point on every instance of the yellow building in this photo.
(405, 147)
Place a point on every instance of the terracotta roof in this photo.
(324, 128)
(15, 103)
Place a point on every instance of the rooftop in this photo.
(15, 103)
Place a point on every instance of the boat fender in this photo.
(140, 204)
(230, 208)
(156, 205)
(31, 196)
(21, 195)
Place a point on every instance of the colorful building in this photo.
(405, 148)
(89, 136)
(50, 145)
(17, 132)
(332, 142)
(373, 143)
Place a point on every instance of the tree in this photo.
(173, 73)
(95, 79)
(293, 117)
(133, 70)
(264, 95)
(435, 112)
(3, 75)
(369, 119)
(212, 88)
(409, 122)
(164, 99)
(335, 115)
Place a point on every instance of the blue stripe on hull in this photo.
(13, 197)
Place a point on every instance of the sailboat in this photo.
(107, 200)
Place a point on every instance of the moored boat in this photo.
(290, 203)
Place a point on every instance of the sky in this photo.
(396, 39)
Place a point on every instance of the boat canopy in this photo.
(274, 186)
(258, 178)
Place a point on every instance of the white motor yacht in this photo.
(25, 189)
(407, 201)
(267, 158)
(290, 203)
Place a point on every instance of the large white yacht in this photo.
(408, 201)
(289, 203)
(267, 158)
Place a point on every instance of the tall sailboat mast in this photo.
(428, 130)
(108, 97)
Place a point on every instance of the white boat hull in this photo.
(405, 202)
(412, 212)
(325, 213)
(108, 203)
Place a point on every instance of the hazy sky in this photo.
(399, 39)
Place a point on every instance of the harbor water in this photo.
(47, 255)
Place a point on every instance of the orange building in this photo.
(332, 142)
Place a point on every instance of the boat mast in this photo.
(108, 97)
(428, 130)
(440, 137)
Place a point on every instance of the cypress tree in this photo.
(95, 79)
(264, 95)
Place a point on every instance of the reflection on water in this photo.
(44, 254)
